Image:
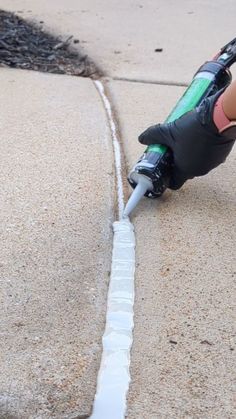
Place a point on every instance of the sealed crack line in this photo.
(114, 376)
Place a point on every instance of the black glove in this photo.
(194, 140)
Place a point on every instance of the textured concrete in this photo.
(123, 35)
(56, 209)
(183, 357)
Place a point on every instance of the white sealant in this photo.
(116, 147)
(114, 376)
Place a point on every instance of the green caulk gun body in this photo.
(151, 174)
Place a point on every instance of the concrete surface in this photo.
(57, 202)
(183, 357)
(123, 35)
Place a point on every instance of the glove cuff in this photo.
(205, 111)
(229, 130)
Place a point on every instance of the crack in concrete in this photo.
(158, 82)
(114, 376)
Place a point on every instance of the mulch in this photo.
(26, 45)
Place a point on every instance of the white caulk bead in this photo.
(114, 377)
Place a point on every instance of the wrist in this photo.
(219, 117)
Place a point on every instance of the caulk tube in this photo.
(155, 163)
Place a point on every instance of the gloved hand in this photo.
(194, 140)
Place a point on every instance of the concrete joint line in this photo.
(114, 377)
(158, 82)
(116, 145)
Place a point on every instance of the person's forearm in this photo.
(229, 101)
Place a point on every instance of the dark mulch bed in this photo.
(25, 44)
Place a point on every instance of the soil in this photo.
(26, 45)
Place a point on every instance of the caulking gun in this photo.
(150, 176)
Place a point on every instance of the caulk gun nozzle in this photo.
(135, 197)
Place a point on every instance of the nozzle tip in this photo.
(125, 215)
(136, 195)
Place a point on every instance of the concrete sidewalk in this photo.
(183, 357)
(56, 212)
